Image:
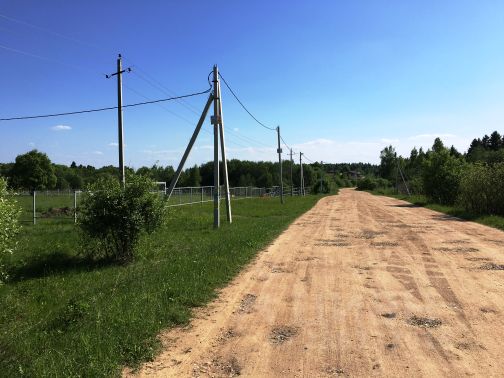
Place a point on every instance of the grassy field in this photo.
(420, 200)
(61, 315)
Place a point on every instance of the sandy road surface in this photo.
(343, 292)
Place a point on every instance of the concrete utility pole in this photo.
(301, 188)
(215, 122)
(291, 164)
(321, 171)
(119, 73)
(279, 151)
(223, 148)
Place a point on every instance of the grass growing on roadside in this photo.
(64, 316)
(421, 200)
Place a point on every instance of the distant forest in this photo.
(34, 171)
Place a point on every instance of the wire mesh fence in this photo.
(62, 206)
(48, 206)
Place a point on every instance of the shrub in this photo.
(321, 187)
(112, 219)
(482, 189)
(366, 184)
(441, 176)
(9, 226)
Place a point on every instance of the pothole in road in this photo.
(492, 266)
(384, 244)
(424, 322)
(281, 334)
(279, 269)
(389, 315)
(477, 258)
(457, 249)
(369, 234)
(390, 346)
(461, 241)
(246, 303)
(332, 243)
(488, 310)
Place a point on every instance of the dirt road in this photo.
(358, 286)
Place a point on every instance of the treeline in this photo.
(35, 171)
(473, 180)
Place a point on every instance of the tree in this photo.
(194, 177)
(495, 141)
(441, 175)
(33, 171)
(388, 162)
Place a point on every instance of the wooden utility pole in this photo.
(279, 151)
(120, 133)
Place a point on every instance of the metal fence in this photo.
(63, 205)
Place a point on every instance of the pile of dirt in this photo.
(58, 212)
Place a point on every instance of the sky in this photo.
(342, 79)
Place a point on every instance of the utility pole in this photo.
(301, 188)
(223, 148)
(119, 73)
(291, 164)
(215, 122)
(321, 170)
(279, 151)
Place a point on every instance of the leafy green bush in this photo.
(321, 187)
(441, 176)
(482, 189)
(9, 226)
(112, 219)
(366, 184)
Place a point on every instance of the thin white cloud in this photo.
(113, 144)
(61, 128)
(97, 152)
(389, 141)
(431, 136)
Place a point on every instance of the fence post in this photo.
(34, 207)
(75, 206)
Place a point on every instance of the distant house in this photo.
(354, 175)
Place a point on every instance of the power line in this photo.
(306, 157)
(107, 108)
(243, 106)
(33, 26)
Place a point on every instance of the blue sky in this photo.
(342, 79)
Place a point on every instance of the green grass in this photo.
(421, 200)
(61, 315)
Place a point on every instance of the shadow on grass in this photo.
(406, 205)
(56, 263)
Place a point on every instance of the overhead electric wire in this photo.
(106, 108)
(158, 104)
(160, 87)
(307, 158)
(244, 107)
